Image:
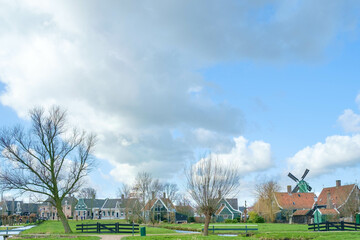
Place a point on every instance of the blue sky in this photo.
(270, 85)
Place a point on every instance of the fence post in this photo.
(246, 229)
(98, 227)
(327, 226)
(82, 227)
(213, 228)
(342, 225)
(117, 227)
(133, 228)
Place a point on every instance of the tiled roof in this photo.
(111, 203)
(327, 211)
(294, 200)
(94, 203)
(338, 195)
(233, 202)
(301, 212)
(183, 208)
(70, 201)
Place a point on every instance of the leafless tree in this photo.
(87, 193)
(49, 159)
(124, 190)
(208, 181)
(144, 186)
(265, 193)
(171, 191)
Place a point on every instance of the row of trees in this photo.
(52, 159)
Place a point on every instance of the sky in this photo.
(272, 86)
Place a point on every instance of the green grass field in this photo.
(56, 237)
(266, 231)
(55, 227)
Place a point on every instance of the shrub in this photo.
(191, 219)
(228, 220)
(255, 218)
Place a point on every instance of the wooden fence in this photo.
(245, 228)
(108, 228)
(334, 226)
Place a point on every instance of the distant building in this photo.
(48, 210)
(19, 208)
(227, 209)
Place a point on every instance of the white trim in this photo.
(157, 199)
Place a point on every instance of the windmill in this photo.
(301, 185)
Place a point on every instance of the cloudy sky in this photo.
(273, 86)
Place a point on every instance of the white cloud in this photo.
(349, 120)
(129, 71)
(335, 152)
(247, 157)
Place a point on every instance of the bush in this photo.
(231, 221)
(191, 219)
(255, 218)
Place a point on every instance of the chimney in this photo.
(289, 189)
(122, 197)
(328, 200)
(152, 195)
(338, 183)
(164, 194)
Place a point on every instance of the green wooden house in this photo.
(325, 214)
(227, 209)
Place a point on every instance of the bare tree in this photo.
(171, 190)
(49, 159)
(124, 190)
(208, 181)
(143, 185)
(87, 193)
(265, 193)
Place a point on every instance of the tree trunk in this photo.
(206, 225)
(63, 218)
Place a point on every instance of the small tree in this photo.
(208, 181)
(265, 193)
(49, 159)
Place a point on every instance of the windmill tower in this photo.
(301, 185)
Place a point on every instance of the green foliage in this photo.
(191, 219)
(231, 221)
(255, 218)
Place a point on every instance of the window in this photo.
(113, 213)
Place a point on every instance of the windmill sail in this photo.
(293, 177)
(305, 173)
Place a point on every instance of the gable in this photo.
(225, 202)
(338, 195)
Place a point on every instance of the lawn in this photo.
(56, 237)
(55, 227)
(266, 231)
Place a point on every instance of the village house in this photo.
(345, 199)
(160, 209)
(48, 211)
(288, 203)
(116, 208)
(19, 208)
(228, 209)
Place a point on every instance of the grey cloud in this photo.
(124, 68)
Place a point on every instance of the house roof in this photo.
(327, 211)
(338, 195)
(294, 200)
(184, 208)
(94, 203)
(111, 203)
(301, 212)
(233, 203)
(69, 200)
(167, 202)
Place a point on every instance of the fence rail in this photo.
(238, 228)
(108, 228)
(334, 226)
